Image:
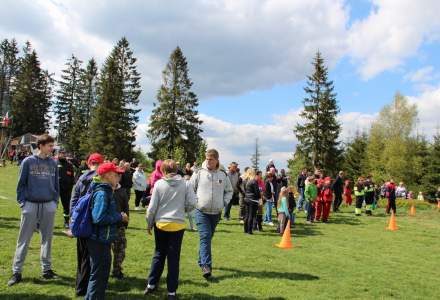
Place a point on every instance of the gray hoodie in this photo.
(172, 197)
(213, 189)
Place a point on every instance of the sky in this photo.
(249, 59)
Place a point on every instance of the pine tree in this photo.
(9, 64)
(318, 136)
(431, 178)
(31, 98)
(201, 154)
(68, 104)
(113, 124)
(354, 156)
(255, 158)
(174, 121)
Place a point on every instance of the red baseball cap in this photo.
(95, 158)
(109, 167)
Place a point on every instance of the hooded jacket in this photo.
(105, 217)
(156, 175)
(213, 189)
(172, 198)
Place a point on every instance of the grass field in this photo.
(348, 258)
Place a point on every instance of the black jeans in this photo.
(251, 214)
(65, 194)
(311, 212)
(139, 195)
(83, 268)
(100, 263)
(391, 205)
(338, 201)
(167, 246)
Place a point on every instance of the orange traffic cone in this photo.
(438, 204)
(392, 226)
(412, 212)
(286, 242)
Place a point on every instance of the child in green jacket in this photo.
(310, 194)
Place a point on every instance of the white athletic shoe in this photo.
(137, 208)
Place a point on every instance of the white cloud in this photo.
(424, 74)
(428, 105)
(393, 31)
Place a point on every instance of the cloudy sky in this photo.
(248, 58)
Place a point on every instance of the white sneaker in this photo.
(241, 222)
(270, 223)
(137, 208)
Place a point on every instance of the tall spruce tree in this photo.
(255, 158)
(113, 124)
(31, 97)
(431, 178)
(68, 104)
(354, 156)
(9, 65)
(174, 121)
(318, 136)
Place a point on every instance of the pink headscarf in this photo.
(156, 175)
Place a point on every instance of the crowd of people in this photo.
(98, 192)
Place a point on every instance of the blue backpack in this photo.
(81, 220)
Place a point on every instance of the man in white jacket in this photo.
(214, 191)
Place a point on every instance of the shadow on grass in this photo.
(127, 284)
(263, 275)
(160, 294)
(61, 280)
(344, 219)
(32, 296)
(9, 219)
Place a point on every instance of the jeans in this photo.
(83, 269)
(100, 263)
(167, 246)
(206, 225)
(301, 199)
(310, 212)
(268, 213)
(251, 215)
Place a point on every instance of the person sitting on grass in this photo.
(105, 220)
(172, 197)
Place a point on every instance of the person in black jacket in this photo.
(338, 189)
(120, 244)
(66, 177)
(252, 198)
(300, 185)
(127, 180)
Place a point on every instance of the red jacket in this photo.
(327, 194)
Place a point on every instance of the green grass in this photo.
(348, 258)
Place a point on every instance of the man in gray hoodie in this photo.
(214, 191)
(37, 195)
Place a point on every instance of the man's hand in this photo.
(124, 217)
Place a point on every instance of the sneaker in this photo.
(172, 296)
(15, 278)
(49, 274)
(137, 208)
(206, 271)
(241, 222)
(150, 289)
(270, 224)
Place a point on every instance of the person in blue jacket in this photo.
(105, 220)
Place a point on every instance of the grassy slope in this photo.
(349, 258)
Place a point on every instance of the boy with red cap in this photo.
(105, 220)
(79, 190)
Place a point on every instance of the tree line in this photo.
(97, 109)
(390, 149)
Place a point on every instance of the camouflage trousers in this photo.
(118, 246)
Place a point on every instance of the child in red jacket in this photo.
(347, 192)
(391, 195)
(327, 197)
(319, 203)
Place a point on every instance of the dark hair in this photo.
(44, 139)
